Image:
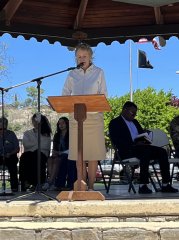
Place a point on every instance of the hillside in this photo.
(20, 118)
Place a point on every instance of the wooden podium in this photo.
(79, 104)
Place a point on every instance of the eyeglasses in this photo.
(133, 113)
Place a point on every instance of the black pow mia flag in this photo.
(142, 60)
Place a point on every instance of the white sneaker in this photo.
(46, 186)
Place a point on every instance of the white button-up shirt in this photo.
(79, 82)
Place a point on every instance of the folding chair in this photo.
(161, 139)
(175, 164)
(7, 175)
(129, 165)
(102, 174)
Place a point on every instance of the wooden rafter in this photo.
(72, 21)
(10, 9)
(158, 15)
(80, 14)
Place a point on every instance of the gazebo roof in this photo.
(91, 21)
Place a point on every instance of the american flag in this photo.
(153, 41)
(156, 44)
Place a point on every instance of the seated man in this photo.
(9, 147)
(123, 130)
(174, 133)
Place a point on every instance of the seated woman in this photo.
(29, 167)
(62, 171)
(9, 147)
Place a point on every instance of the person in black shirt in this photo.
(9, 147)
(62, 171)
(123, 130)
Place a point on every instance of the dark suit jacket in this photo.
(121, 137)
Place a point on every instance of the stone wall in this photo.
(90, 220)
(102, 229)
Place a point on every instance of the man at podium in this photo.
(86, 80)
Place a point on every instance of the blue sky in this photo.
(32, 59)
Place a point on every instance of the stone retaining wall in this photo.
(90, 220)
(89, 231)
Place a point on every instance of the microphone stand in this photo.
(38, 188)
(3, 193)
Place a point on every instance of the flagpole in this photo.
(130, 70)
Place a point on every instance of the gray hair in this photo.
(85, 47)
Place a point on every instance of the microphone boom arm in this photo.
(39, 78)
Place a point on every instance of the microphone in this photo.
(77, 67)
(80, 65)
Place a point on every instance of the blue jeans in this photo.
(67, 172)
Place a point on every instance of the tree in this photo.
(175, 101)
(32, 100)
(16, 102)
(4, 60)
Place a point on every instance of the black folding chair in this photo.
(102, 174)
(161, 139)
(129, 165)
